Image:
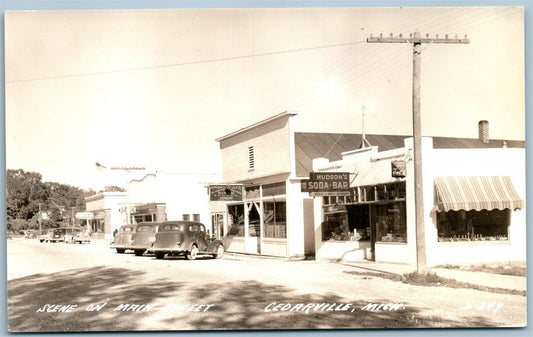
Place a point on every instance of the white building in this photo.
(105, 212)
(162, 196)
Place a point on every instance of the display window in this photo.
(236, 220)
(473, 225)
(374, 213)
(391, 222)
(275, 220)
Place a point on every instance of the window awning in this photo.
(476, 193)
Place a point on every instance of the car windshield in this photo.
(126, 229)
(172, 227)
(146, 229)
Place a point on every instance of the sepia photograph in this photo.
(288, 168)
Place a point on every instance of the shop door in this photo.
(217, 225)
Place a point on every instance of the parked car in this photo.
(188, 238)
(144, 237)
(55, 235)
(77, 235)
(123, 238)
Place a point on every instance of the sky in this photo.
(155, 88)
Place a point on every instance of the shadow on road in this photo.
(237, 305)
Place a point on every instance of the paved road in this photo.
(65, 287)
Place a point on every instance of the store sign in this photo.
(124, 209)
(398, 168)
(225, 192)
(84, 215)
(326, 182)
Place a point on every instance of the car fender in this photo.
(212, 246)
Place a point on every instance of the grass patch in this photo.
(498, 269)
(430, 279)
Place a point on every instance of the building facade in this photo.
(104, 213)
(375, 218)
(164, 196)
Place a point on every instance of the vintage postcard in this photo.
(265, 169)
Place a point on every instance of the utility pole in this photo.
(417, 41)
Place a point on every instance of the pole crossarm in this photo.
(416, 39)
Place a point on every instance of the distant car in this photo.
(188, 238)
(77, 235)
(55, 235)
(123, 238)
(144, 237)
(30, 234)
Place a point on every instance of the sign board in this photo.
(84, 215)
(326, 182)
(225, 192)
(398, 168)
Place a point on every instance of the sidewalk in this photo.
(473, 277)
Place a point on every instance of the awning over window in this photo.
(476, 193)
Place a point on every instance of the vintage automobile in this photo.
(123, 238)
(54, 235)
(188, 238)
(77, 235)
(143, 237)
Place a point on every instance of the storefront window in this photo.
(275, 220)
(236, 220)
(473, 225)
(391, 222)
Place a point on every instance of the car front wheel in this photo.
(193, 253)
(159, 255)
(120, 251)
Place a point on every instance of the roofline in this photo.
(265, 121)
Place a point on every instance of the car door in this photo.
(201, 237)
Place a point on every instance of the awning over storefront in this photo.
(476, 193)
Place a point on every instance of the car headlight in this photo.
(151, 239)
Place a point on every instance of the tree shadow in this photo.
(245, 305)
(80, 287)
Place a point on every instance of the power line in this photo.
(183, 63)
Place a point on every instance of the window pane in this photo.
(391, 222)
(236, 220)
(274, 189)
(274, 220)
(473, 225)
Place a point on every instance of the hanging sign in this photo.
(326, 182)
(398, 168)
(225, 192)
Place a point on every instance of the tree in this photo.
(24, 192)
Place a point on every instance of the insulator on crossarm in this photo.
(400, 34)
(446, 35)
(390, 34)
(380, 35)
(437, 35)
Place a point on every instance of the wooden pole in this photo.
(417, 41)
(417, 149)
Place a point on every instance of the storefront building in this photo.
(104, 213)
(164, 196)
(473, 205)
(374, 219)
(270, 218)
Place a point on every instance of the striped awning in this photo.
(476, 193)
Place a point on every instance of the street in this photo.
(66, 287)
